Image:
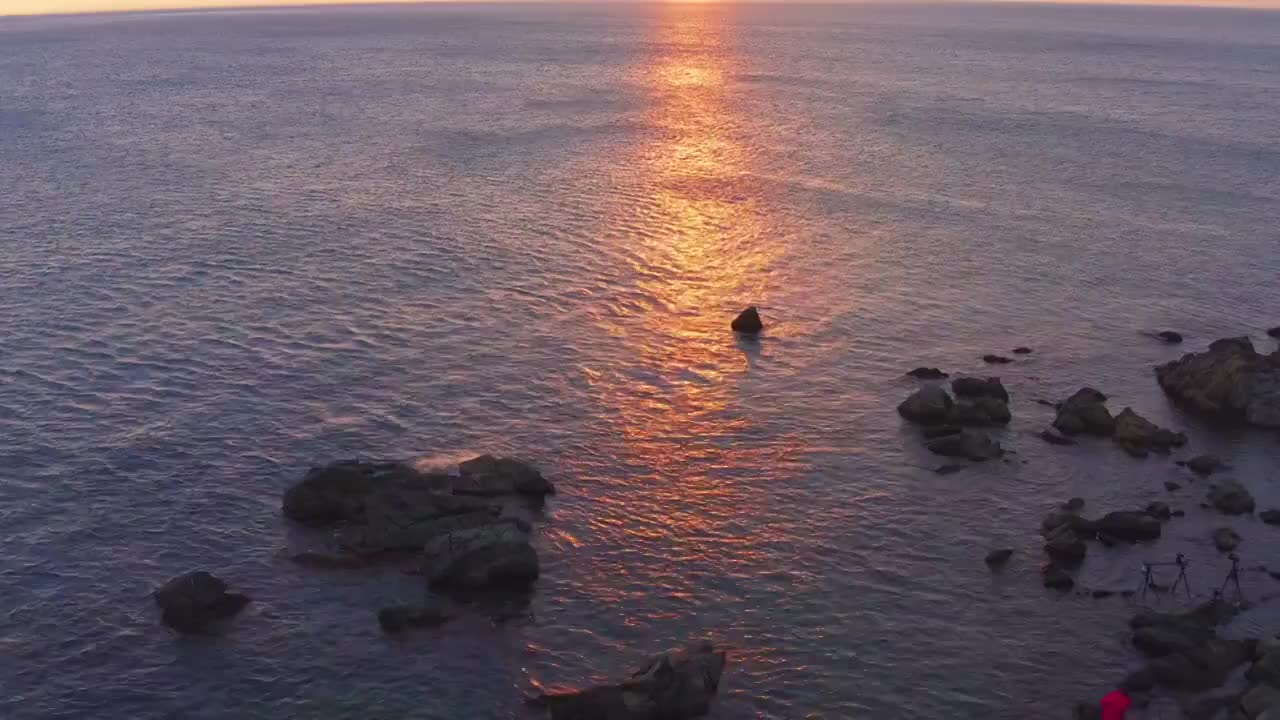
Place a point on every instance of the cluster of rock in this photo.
(197, 602)
(1230, 381)
(1185, 650)
(673, 685)
(1066, 530)
(978, 402)
(1086, 413)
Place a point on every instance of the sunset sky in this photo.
(40, 7)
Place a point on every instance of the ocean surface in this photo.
(234, 245)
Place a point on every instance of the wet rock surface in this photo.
(1138, 436)
(748, 322)
(1231, 498)
(1085, 413)
(1229, 381)
(970, 444)
(927, 373)
(196, 601)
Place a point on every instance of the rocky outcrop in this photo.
(400, 618)
(1225, 539)
(675, 685)
(1159, 510)
(476, 555)
(1188, 654)
(1231, 498)
(1085, 413)
(1064, 547)
(1204, 464)
(1129, 526)
(488, 476)
(336, 493)
(972, 387)
(196, 602)
(971, 444)
(1230, 381)
(1056, 578)
(999, 557)
(927, 373)
(1138, 436)
(979, 401)
(748, 322)
(928, 405)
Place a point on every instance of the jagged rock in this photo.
(928, 405)
(937, 431)
(1189, 655)
(1171, 485)
(1129, 526)
(1057, 578)
(1202, 668)
(1085, 413)
(1225, 539)
(336, 493)
(675, 685)
(1159, 510)
(401, 519)
(330, 561)
(1270, 517)
(1022, 351)
(481, 555)
(971, 444)
(1231, 498)
(1230, 381)
(979, 411)
(972, 387)
(1169, 336)
(1203, 464)
(1067, 518)
(1065, 547)
(996, 359)
(1054, 438)
(405, 617)
(999, 557)
(748, 322)
(927, 373)
(194, 602)
(489, 477)
(1138, 436)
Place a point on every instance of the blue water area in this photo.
(234, 245)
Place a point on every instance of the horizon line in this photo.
(142, 7)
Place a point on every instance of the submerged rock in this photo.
(675, 685)
(928, 405)
(1231, 498)
(1169, 336)
(1056, 578)
(1022, 350)
(1085, 413)
(1270, 517)
(937, 431)
(330, 561)
(1225, 539)
(1054, 438)
(1230, 381)
(999, 557)
(972, 444)
(1171, 485)
(927, 373)
(1065, 547)
(748, 322)
(481, 555)
(950, 469)
(1204, 464)
(1138, 436)
(1129, 526)
(194, 602)
(1159, 510)
(406, 617)
(996, 359)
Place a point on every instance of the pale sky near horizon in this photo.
(50, 7)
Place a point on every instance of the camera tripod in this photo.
(1149, 583)
(1232, 579)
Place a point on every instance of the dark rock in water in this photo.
(493, 554)
(1159, 510)
(1171, 485)
(1085, 413)
(1270, 517)
(194, 602)
(1129, 526)
(1022, 351)
(927, 373)
(489, 477)
(1169, 336)
(1261, 702)
(972, 387)
(402, 519)
(336, 493)
(1225, 539)
(1204, 464)
(971, 444)
(400, 618)
(999, 557)
(996, 359)
(1074, 505)
(979, 411)
(1064, 547)
(1138, 436)
(1056, 578)
(929, 405)
(1230, 381)
(1054, 438)
(1202, 668)
(330, 561)
(949, 469)
(1274, 332)
(1266, 668)
(1108, 540)
(1231, 498)
(676, 685)
(938, 431)
(1178, 513)
(1086, 711)
(748, 322)
(1102, 594)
